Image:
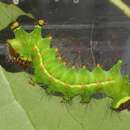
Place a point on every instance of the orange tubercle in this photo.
(98, 65)
(33, 49)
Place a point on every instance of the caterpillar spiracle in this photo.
(68, 81)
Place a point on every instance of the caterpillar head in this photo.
(24, 42)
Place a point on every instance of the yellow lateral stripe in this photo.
(123, 100)
(66, 84)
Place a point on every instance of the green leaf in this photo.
(27, 107)
(9, 13)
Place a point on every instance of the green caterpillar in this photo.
(68, 81)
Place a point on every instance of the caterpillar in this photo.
(50, 70)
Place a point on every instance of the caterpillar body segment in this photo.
(68, 81)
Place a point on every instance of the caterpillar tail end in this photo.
(121, 104)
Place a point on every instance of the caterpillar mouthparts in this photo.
(14, 58)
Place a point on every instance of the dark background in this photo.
(87, 32)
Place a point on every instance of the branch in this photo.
(122, 6)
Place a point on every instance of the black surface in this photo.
(90, 32)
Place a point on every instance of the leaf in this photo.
(28, 107)
(12, 114)
(9, 13)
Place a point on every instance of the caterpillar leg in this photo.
(67, 99)
(32, 81)
(70, 93)
(87, 95)
(49, 90)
